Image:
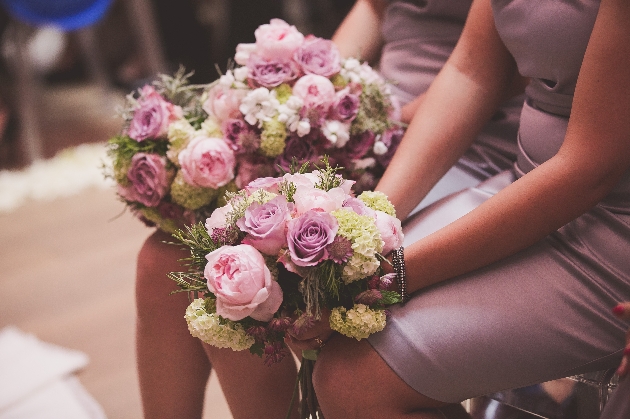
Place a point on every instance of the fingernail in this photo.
(619, 310)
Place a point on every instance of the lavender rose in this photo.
(153, 116)
(345, 107)
(309, 235)
(318, 56)
(149, 179)
(207, 162)
(265, 225)
(242, 283)
(271, 73)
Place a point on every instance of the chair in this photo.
(578, 397)
(77, 17)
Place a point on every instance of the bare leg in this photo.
(252, 389)
(353, 381)
(172, 366)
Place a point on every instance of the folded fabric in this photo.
(28, 365)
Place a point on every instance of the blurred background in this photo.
(67, 247)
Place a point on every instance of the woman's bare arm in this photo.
(594, 156)
(359, 35)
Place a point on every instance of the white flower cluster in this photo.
(357, 72)
(288, 114)
(260, 105)
(207, 327)
(359, 322)
(234, 79)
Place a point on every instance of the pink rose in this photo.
(308, 237)
(153, 116)
(271, 73)
(242, 283)
(277, 40)
(223, 103)
(207, 162)
(318, 56)
(312, 198)
(265, 225)
(315, 91)
(149, 179)
(391, 231)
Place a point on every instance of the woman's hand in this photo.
(623, 311)
(310, 337)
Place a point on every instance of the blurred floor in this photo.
(67, 266)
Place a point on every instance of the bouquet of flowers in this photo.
(287, 98)
(294, 98)
(171, 163)
(282, 250)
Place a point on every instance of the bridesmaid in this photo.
(512, 281)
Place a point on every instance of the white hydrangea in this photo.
(241, 74)
(359, 322)
(207, 327)
(338, 133)
(365, 163)
(179, 134)
(259, 105)
(303, 127)
(379, 148)
(210, 127)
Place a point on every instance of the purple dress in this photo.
(419, 36)
(545, 312)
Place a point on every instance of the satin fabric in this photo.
(545, 312)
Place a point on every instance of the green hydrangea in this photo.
(179, 134)
(283, 93)
(378, 201)
(189, 196)
(165, 224)
(272, 138)
(359, 322)
(211, 128)
(339, 81)
(373, 113)
(215, 330)
(366, 242)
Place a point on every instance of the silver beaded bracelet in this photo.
(398, 260)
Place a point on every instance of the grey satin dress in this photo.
(419, 36)
(545, 312)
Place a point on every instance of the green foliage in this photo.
(328, 177)
(199, 242)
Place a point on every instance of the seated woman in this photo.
(412, 41)
(511, 282)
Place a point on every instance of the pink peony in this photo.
(207, 162)
(265, 225)
(309, 235)
(223, 103)
(149, 179)
(153, 116)
(218, 218)
(277, 40)
(271, 73)
(312, 198)
(391, 231)
(318, 56)
(315, 91)
(242, 283)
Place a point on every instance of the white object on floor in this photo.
(36, 380)
(68, 173)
